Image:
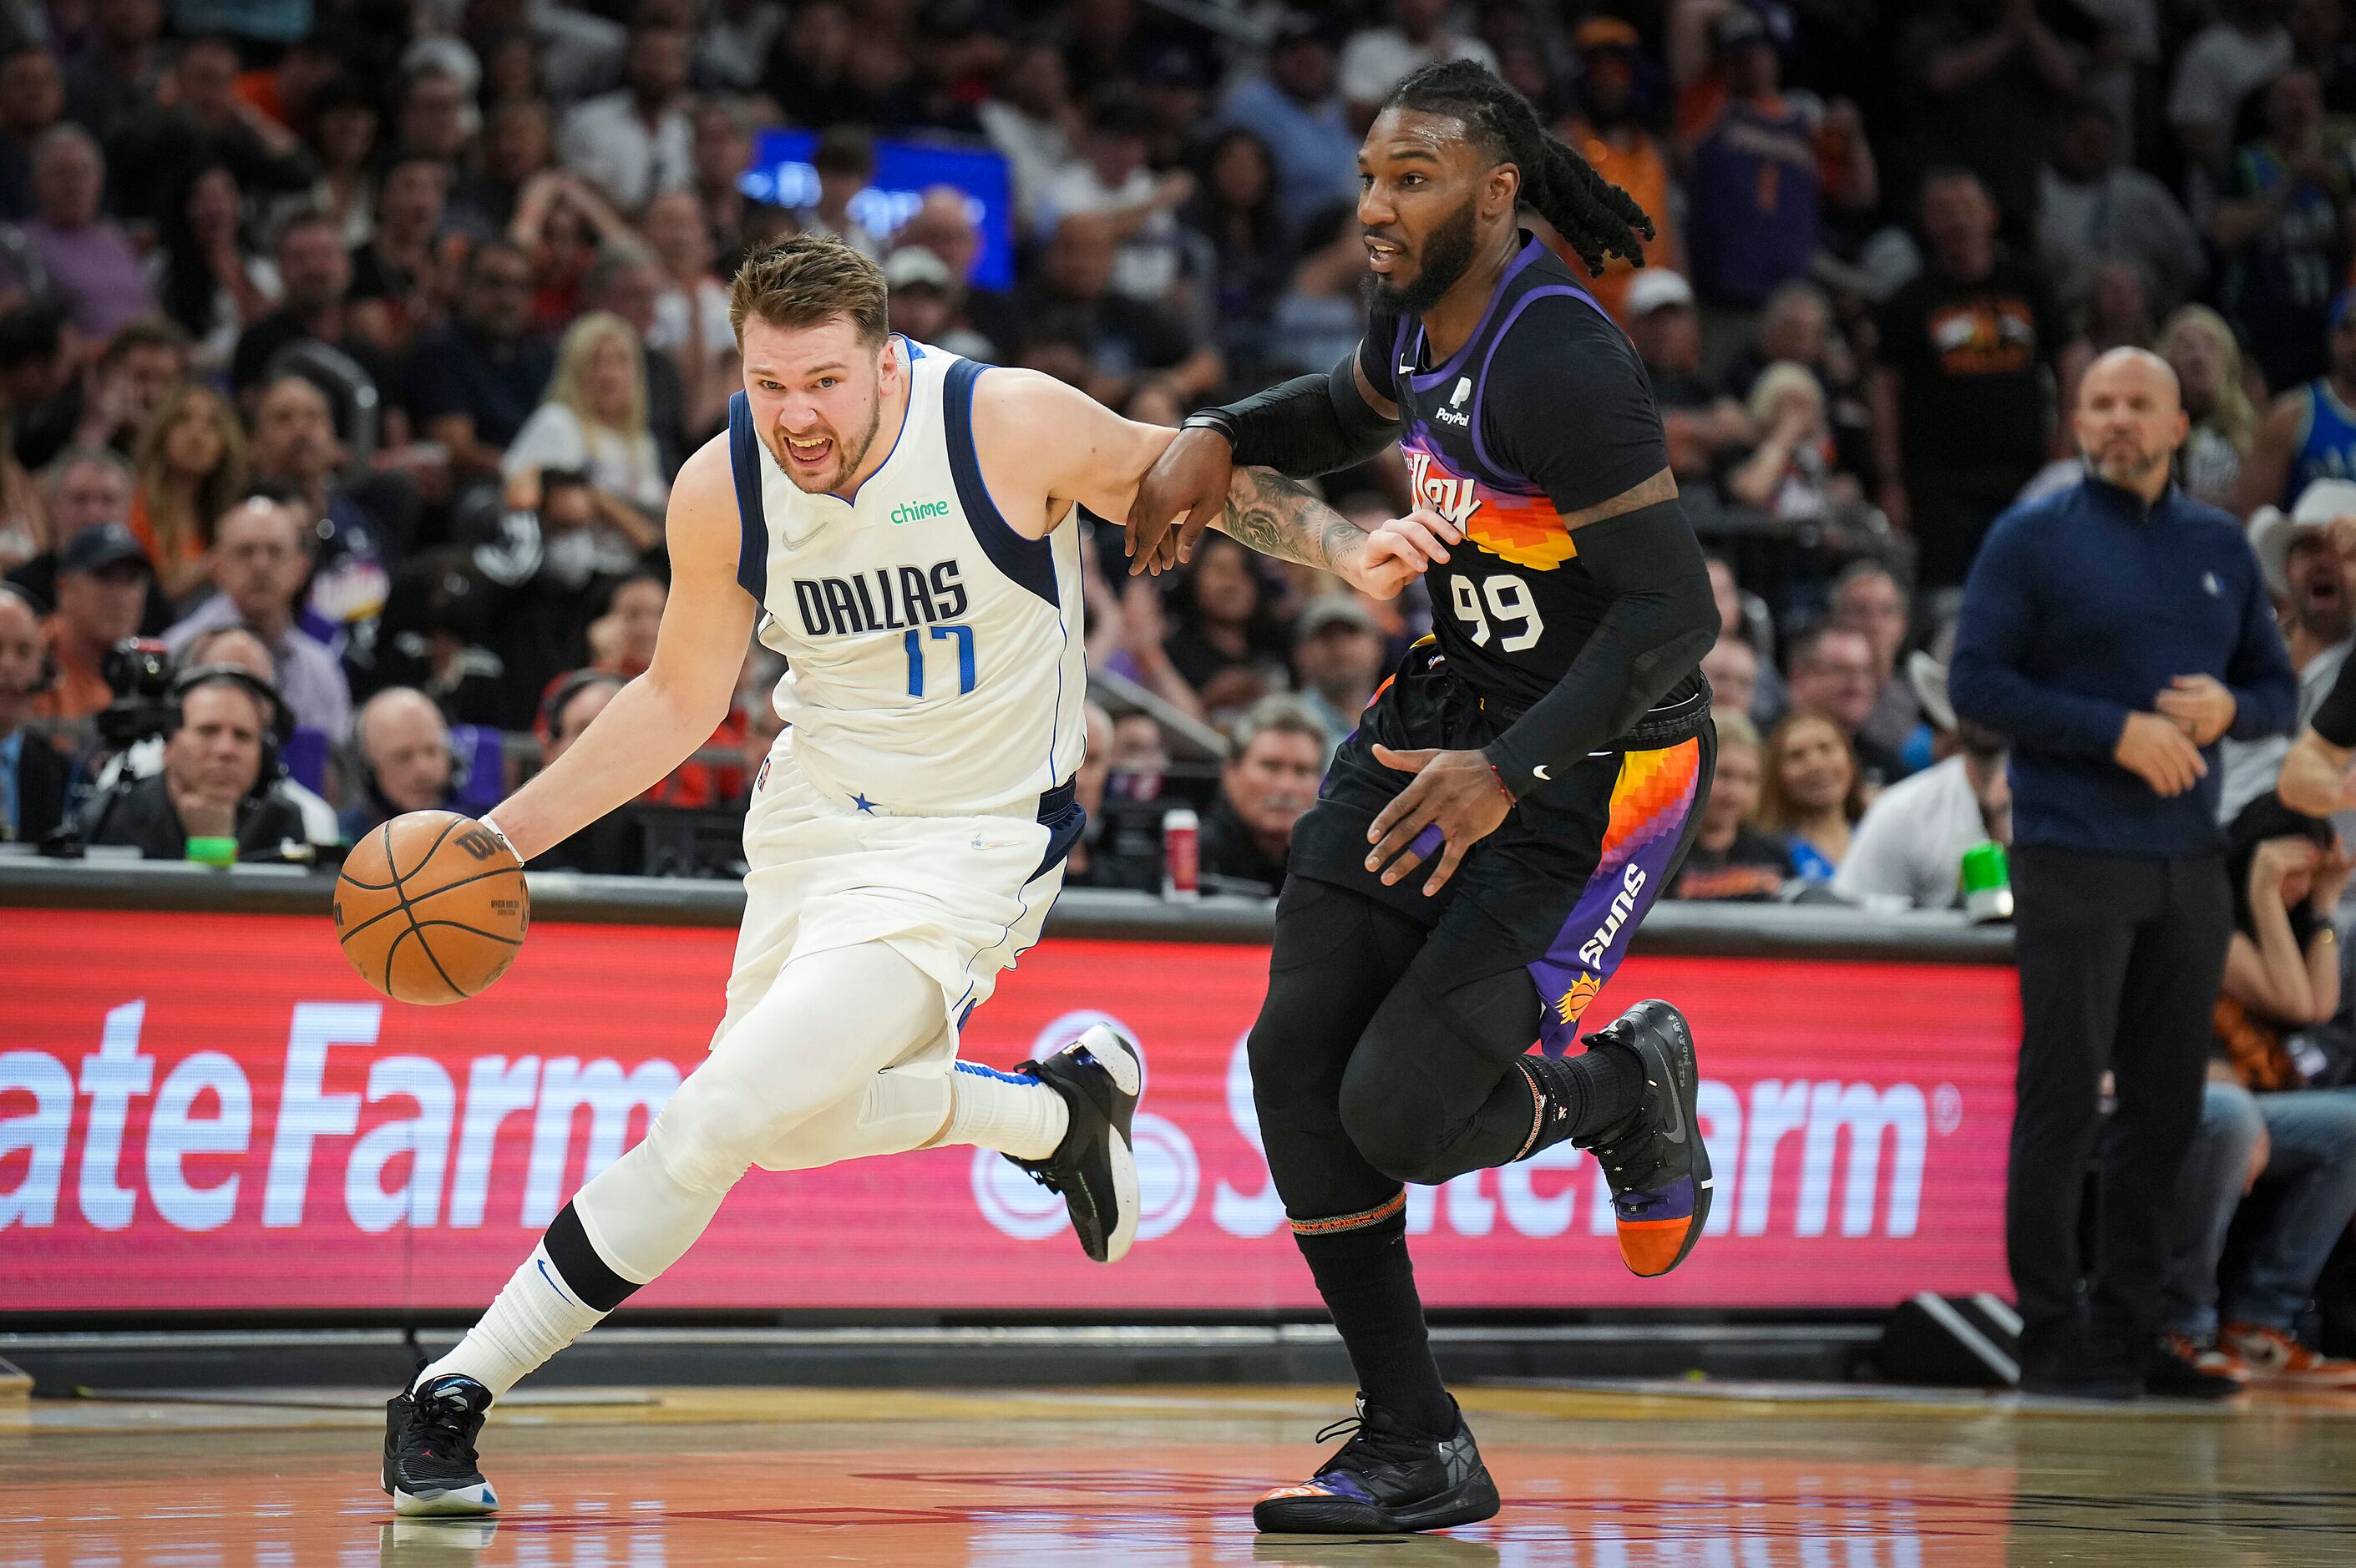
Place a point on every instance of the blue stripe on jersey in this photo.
(1030, 563)
(1481, 376)
(744, 458)
(979, 1071)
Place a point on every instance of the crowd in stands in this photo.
(378, 333)
(350, 348)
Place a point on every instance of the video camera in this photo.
(139, 671)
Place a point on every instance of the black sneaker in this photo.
(2105, 1382)
(2065, 1359)
(1653, 1157)
(429, 1449)
(2169, 1375)
(1386, 1480)
(1100, 1076)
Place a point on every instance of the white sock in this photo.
(1020, 1116)
(536, 1315)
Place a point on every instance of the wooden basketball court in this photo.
(1607, 1477)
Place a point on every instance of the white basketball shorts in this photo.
(959, 896)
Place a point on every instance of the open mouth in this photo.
(1382, 256)
(810, 456)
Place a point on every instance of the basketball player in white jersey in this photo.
(890, 517)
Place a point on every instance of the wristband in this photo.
(493, 829)
(1505, 788)
(1212, 419)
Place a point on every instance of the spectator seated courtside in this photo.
(1269, 784)
(221, 767)
(2261, 1122)
(401, 759)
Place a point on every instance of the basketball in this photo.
(431, 908)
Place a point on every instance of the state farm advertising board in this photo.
(211, 1112)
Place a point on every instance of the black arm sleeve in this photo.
(2335, 721)
(1662, 620)
(1309, 425)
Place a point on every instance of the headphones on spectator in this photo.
(275, 729)
(352, 758)
(560, 696)
(50, 675)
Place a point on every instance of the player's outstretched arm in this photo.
(1093, 456)
(658, 720)
(1310, 425)
(1279, 516)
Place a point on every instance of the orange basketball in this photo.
(431, 908)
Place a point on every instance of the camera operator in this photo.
(221, 760)
(235, 647)
(103, 582)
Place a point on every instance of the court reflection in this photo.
(1163, 1476)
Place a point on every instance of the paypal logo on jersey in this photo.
(885, 600)
(917, 511)
(1454, 412)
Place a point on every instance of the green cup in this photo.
(1987, 882)
(210, 851)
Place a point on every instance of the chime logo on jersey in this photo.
(917, 511)
(888, 599)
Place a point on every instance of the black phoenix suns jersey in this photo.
(1545, 411)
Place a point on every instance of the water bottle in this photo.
(1181, 857)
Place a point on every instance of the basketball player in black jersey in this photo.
(1545, 753)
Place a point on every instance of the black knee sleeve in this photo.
(1335, 957)
(1432, 1092)
(587, 1274)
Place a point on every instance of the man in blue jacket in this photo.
(2115, 632)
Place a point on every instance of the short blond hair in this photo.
(807, 280)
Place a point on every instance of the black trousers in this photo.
(2120, 958)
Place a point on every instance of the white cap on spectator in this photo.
(2272, 531)
(913, 266)
(1658, 288)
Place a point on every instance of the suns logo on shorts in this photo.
(1574, 1001)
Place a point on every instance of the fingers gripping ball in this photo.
(431, 908)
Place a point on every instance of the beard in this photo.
(1447, 255)
(847, 455)
(2113, 467)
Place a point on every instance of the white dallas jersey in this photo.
(938, 660)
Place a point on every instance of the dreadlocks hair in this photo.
(1594, 216)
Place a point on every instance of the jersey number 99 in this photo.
(1509, 603)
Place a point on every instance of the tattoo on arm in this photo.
(1279, 516)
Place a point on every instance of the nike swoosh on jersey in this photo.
(1539, 772)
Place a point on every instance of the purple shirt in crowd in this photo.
(94, 272)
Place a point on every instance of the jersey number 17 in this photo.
(915, 644)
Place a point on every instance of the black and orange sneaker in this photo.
(1653, 1156)
(430, 1465)
(1385, 1481)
